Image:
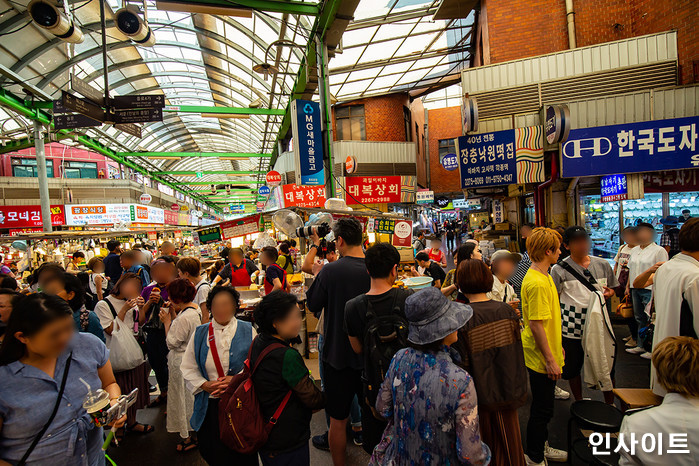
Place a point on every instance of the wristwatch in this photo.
(314, 246)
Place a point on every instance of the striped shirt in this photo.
(520, 272)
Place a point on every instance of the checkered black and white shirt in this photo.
(574, 296)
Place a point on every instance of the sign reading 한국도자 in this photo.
(631, 148)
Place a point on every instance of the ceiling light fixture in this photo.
(265, 69)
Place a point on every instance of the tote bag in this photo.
(124, 351)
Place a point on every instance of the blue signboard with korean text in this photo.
(308, 143)
(614, 188)
(264, 191)
(632, 148)
(501, 158)
(450, 162)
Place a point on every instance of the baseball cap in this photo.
(573, 233)
(670, 220)
(505, 254)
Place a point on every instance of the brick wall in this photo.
(442, 123)
(537, 27)
(383, 117)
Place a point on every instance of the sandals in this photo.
(145, 428)
(186, 445)
(159, 400)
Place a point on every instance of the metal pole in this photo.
(43, 178)
(103, 20)
(323, 94)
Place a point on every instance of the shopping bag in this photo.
(625, 309)
(124, 351)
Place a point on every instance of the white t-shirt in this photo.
(93, 285)
(642, 259)
(107, 318)
(502, 291)
(203, 289)
(622, 257)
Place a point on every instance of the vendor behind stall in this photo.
(432, 269)
(237, 271)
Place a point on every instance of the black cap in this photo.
(574, 232)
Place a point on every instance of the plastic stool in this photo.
(591, 415)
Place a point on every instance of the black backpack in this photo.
(385, 335)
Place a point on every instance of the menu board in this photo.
(240, 227)
(209, 235)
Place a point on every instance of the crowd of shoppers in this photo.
(428, 377)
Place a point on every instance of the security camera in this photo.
(133, 26)
(46, 15)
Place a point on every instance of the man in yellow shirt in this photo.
(541, 340)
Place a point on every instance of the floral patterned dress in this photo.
(432, 410)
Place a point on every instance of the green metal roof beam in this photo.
(209, 183)
(293, 7)
(193, 154)
(223, 110)
(16, 104)
(209, 172)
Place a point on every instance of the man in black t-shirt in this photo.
(335, 284)
(382, 262)
(432, 269)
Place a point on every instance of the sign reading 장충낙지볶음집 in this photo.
(500, 158)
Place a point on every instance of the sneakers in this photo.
(635, 350)
(357, 437)
(631, 343)
(554, 454)
(561, 394)
(627, 338)
(532, 463)
(647, 355)
(321, 442)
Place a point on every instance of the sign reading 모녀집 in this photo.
(372, 189)
(303, 196)
(240, 227)
(631, 148)
(614, 188)
(28, 216)
(308, 142)
(505, 157)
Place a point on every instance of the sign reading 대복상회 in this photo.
(308, 142)
(499, 158)
(631, 148)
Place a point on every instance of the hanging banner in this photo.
(373, 189)
(240, 227)
(308, 142)
(28, 216)
(631, 148)
(498, 212)
(303, 196)
(402, 233)
(502, 157)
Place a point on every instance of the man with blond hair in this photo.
(672, 425)
(542, 342)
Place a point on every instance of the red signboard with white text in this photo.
(28, 216)
(171, 218)
(372, 189)
(304, 196)
(403, 233)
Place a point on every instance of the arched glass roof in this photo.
(205, 60)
